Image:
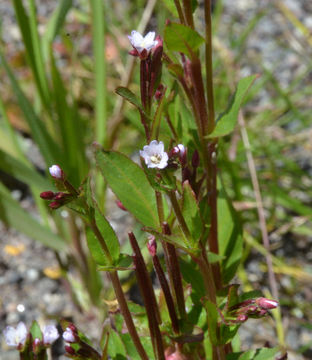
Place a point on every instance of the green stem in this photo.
(179, 215)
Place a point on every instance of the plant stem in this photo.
(179, 215)
(149, 298)
(120, 295)
(168, 297)
(174, 272)
(208, 62)
(180, 12)
(188, 13)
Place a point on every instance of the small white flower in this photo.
(69, 336)
(56, 172)
(154, 155)
(140, 43)
(50, 334)
(15, 337)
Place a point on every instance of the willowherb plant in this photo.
(177, 196)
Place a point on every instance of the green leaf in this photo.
(123, 263)
(193, 276)
(191, 213)
(230, 235)
(129, 183)
(22, 172)
(259, 354)
(14, 216)
(213, 258)
(227, 121)
(110, 239)
(183, 39)
(116, 348)
(129, 96)
(169, 4)
(36, 331)
(48, 148)
(54, 25)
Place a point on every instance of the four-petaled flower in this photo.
(141, 43)
(15, 336)
(154, 155)
(50, 334)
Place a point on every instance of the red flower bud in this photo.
(70, 350)
(47, 195)
(55, 205)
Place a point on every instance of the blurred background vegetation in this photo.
(60, 63)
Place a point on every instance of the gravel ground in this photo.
(27, 292)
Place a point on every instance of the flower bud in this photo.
(177, 355)
(266, 304)
(36, 345)
(242, 318)
(55, 205)
(69, 335)
(195, 159)
(47, 195)
(56, 172)
(70, 350)
(152, 245)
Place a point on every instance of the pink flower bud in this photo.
(242, 318)
(152, 245)
(61, 196)
(56, 172)
(69, 335)
(36, 345)
(177, 355)
(266, 304)
(47, 195)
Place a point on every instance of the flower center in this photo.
(156, 158)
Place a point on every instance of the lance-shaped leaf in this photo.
(132, 98)
(129, 183)
(110, 239)
(14, 216)
(183, 39)
(227, 120)
(258, 354)
(191, 213)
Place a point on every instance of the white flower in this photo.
(15, 337)
(50, 334)
(56, 172)
(140, 43)
(69, 336)
(154, 155)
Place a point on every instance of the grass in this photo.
(66, 98)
